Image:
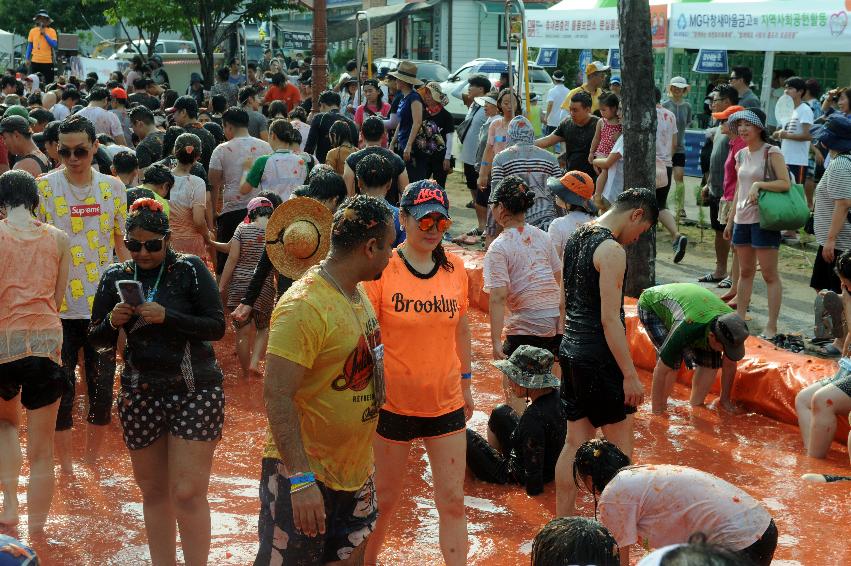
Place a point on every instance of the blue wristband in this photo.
(466, 376)
(304, 477)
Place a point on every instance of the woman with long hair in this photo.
(423, 292)
(188, 200)
(374, 105)
(171, 403)
(508, 106)
(435, 138)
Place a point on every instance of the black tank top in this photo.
(583, 329)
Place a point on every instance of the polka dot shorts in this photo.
(146, 416)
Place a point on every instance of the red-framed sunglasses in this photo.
(426, 223)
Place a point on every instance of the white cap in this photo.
(679, 82)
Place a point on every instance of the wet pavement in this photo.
(97, 518)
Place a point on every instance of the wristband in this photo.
(485, 163)
(301, 487)
(304, 477)
(467, 375)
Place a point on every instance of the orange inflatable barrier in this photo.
(768, 378)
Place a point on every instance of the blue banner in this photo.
(585, 59)
(547, 57)
(693, 143)
(713, 61)
(614, 59)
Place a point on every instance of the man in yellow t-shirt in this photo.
(41, 42)
(324, 385)
(595, 76)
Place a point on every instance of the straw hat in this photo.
(407, 73)
(436, 93)
(298, 236)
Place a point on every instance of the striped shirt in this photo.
(835, 185)
(534, 165)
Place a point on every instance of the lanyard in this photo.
(152, 294)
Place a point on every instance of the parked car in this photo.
(161, 47)
(456, 84)
(427, 70)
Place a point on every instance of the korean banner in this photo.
(817, 25)
(581, 29)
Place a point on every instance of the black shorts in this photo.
(404, 428)
(593, 388)
(100, 375)
(714, 206)
(797, 173)
(471, 176)
(146, 416)
(662, 193)
(350, 518)
(39, 380)
(824, 276)
(678, 160)
(514, 341)
(486, 462)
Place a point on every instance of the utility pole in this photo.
(319, 75)
(639, 131)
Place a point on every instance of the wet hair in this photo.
(279, 79)
(246, 93)
(169, 98)
(601, 461)
(223, 74)
(18, 188)
(372, 128)
(610, 100)
(158, 174)
(187, 148)
(261, 211)
(51, 132)
(324, 184)
(698, 553)
(339, 133)
(170, 137)
(843, 265)
(41, 115)
(139, 84)
(506, 92)
(374, 170)
(217, 131)
(236, 117)
(574, 540)
(76, 124)
(297, 113)
(219, 103)
(72, 94)
(359, 219)
(514, 194)
(284, 131)
(272, 197)
(645, 199)
(329, 98)
(142, 114)
(105, 139)
(147, 214)
(797, 83)
(582, 98)
(125, 162)
(277, 107)
(728, 92)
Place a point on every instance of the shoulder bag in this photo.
(782, 211)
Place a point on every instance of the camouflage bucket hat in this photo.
(529, 367)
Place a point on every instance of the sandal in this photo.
(709, 278)
(826, 351)
(726, 283)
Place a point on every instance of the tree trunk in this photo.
(639, 130)
(320, 46)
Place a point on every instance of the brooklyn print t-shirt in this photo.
(419, 315)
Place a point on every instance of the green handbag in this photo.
(782, 211)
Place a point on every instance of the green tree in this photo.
(150, 18)
(17, 15)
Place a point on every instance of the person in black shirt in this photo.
(150, 147)
(318, 143)
(577, 133)
(141, 96)
(522, 449)
(171, 403)
(436, 133)
(372, 131)
(185, 111)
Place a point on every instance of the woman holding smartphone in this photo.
(171, 403)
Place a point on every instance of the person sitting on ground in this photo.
(662, 504)
(571, 193)
(523, 448)
(375, 176)
(574, 540)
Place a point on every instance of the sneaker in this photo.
(680, 248)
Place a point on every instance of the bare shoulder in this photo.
(610, 257)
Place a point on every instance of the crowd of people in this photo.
(150, 219)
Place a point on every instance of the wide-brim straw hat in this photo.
(407, 73)
(437, 93)
(298, 236)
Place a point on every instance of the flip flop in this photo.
(726, 283)
(826, 351)
(709, 278)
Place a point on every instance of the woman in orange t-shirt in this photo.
(421, 304)
(282, 90)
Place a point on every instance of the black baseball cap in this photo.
(14, 123)
(184, 103)
(424, 197)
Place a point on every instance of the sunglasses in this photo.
(426, 223)
(150, 245)
(79, 152)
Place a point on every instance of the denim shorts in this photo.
(754, 236)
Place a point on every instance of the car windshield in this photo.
(539, 76)
(432, 72)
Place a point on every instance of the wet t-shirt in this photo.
(525, 261)
(658, 505)
(280, 172)
(314, 326)
(419, 316)
(105, 121)
(232, 158)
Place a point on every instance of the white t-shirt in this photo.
(556, 95)
(797, 152)
(232, 158)
(666, 129)
(563, 228)
(60, 111)
(614, 178)
(105, 121)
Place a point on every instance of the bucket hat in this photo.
(529, 367)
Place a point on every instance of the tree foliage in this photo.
(145, 20)
(68, 16)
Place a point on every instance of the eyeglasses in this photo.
(426, 223)
(79, 152)
(150, 245)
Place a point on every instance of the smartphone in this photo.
(131, 292)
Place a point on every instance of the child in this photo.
(283, 170)
(607, 133)
(244, 251)
(572, 192)
(606, 193)
(342, 146)
(375, 176)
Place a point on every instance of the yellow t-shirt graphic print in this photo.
(314, 326)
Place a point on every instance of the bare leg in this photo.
(40, 429)
(803, 407)
(669, 223)
(621, 434)
(747, 269)
(391, 462)
(189, 464)
(261, 338)
(62, 443)
(447, 456)
(355, 559)
(481, 216)
(768, 265)
(663, 382)
(577, 433)
(728, 376)
(701, 384)
(722, 250)
(827, 402)
(11, 459)
(243, 346)
(94, 439)
(150, 468)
